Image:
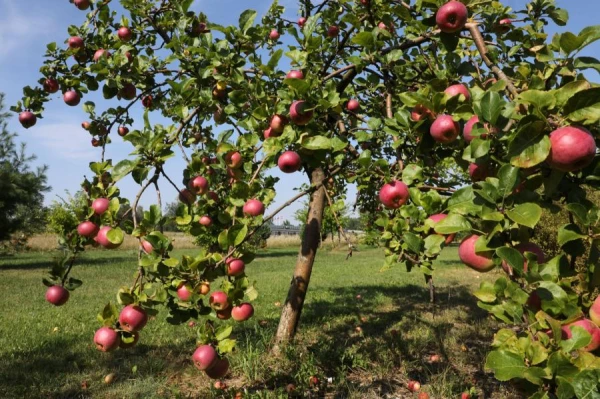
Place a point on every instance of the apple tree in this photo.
(403, 100)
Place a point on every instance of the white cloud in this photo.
(19, 26)
(64, 141)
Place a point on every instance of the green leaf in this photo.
(486, 292)
(222, 239)
(122, 169)
(529, 147)
(223, 332)
(585, 384)
(563, 94)
(274, 61)
(364, 39)
(559, 16)
(237, 234)
(538, 98)
(568, 233)
(584, 106)
(580, 338)
(226, 346)
(508, 178)
(316, 143)
(569, 42)
(453, 223)
(433, 244)
(511, 256)
(115, 236)
(491, 106)
(525, 214)
(587, 63)
(411, 173)
(247, 20)
(506, 365)
(413, 241)
(171, 262)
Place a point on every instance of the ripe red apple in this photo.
(224, 314)
(278, 123)
(129, 57)
(218, 370)
(95, 142)
(364, 2)
(458, 89)
(86, 125)
(106, 339)
(313, 381)
(269, 133)
(199, 185)
(438, 217)
(573, 148)
(503, 26)
(27, 119)
(478, 172)
(469, 128)
(444, 129)
(123, 131)
(423, 395)
(204, 288)
(590, 328)
(420, 112)
(481, 262)
(205, 220)
(301, 22)
(289, 162)
(75, 42)
(526, 247)
(100, 205)
(101, 53)
(51, 85)
(198, 28)
(465, 395)
(213, 196)
(82, 4)
(242, 312)
(413, 386)
(205, 357)
(128, 335)
(187, 197)
(595, 311)
(128, 91)
(71, 98)
(353, 105)
(333, 31)
(87, 229)
(133, 318)
(394, 194)
(299, 113)
(218, 300)
(57, 295)
(102, 239)
(452, 17)
(235, 267)
(147, 246)
(253, 207)
(147, 102)
(125, 34)
(295, 75)
(184, 293)
(274, 34)
(233, 159)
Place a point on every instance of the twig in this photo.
(255, 175)
(339, 224)
(158, 197)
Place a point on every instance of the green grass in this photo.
(48, 352)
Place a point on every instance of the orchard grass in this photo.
(368, 346)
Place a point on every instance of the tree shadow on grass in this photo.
(35, 261)
(276, 254)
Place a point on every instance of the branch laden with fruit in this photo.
(377, 96)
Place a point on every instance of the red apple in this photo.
(125, 34)
(129, 57)
(444, 129)
(295, 75)
(204, 288)
(253, 207)
(595, 311)
(205, 357)
(333, 31)
(100, 205)
(213, 196)
(242, 312)
(465, 395)
(299, 113)
(86, 125)
(218, 300)
(106, 339)
(269, 133)
(128, 91)
(413, 386)
(205, 220)
(187, 197)
(278, 123)
(458, 89)
(504, 25)
(289, 162)
(218, 370)
(71, 98)
(481, 262)
(526, 247)
(57, 295)
(438, 217)
(101, 53)
(274, 34)
(75, 42)
(184, 293)
(423, 395)
(224, 314)
(590, 328)
(131, 337)
(478, 172)
(235, 267)
(394, 194)
(102, 239)
(87, 229)
(51, 85)
(147, 246)
(82, 4)
(133, 318)
(123, 131)
(147, 102)
(573, 148)
(301, 22)
(420, 112)
(95, 142)
(452, 17)
(199, 185)
(27, 119)
(233, 159)
(353, 105)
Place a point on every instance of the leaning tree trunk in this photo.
(290, 314)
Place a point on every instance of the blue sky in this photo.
(58, 140)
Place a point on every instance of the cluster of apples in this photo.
(132, 320)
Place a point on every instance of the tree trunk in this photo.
(290, 314)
